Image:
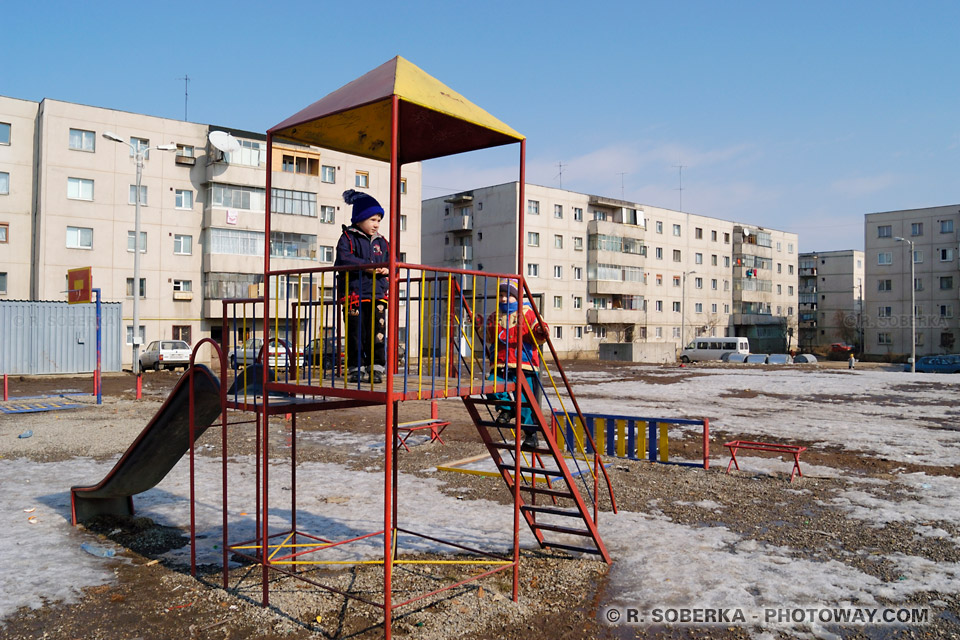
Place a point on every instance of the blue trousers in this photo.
(507, 402)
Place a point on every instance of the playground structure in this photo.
(435, 316)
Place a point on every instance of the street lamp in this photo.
(683, 309)
(139, 154)
(913, 309)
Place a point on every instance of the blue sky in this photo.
(801, 116)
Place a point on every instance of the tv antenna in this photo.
(186, 84)
(679, 167)
(560, 166)
(621, 174)
(224, 142)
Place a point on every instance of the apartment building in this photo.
(68, 196)
(605, 269)
(831, 285)
(890, 237)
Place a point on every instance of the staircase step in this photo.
(507, 446)
(547, 492)
(570, 547)
(559, 529)
(540, 471)
(552, 511)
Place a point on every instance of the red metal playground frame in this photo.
(426, 134)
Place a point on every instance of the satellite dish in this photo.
(224, 141)
(746, 232)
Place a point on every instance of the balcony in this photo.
(455, 223)
(183, 295)
(186, 161)
(807, 271)
(458, 254)
(614, 316)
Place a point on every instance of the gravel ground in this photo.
(560, 596)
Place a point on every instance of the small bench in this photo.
(433, 423)
(796, 450)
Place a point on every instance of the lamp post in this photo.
(913, 309)
(683, 309)
(139, 154)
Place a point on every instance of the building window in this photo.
(577, 302)
(227, 196)
(676, 255)
(946, 226)
(713, 260)
(884, 231)
(4, 133)
(182, 332)
(946, 255)
(916, 229)
(713, 236)
(713, 284)
(182, 245)
(946, 310)
(884, 312)
(578, 243)
(676, 230)
(557, 302)
(790, 290)
(133, 194)
(327, 214)
(658, 253)
(918, 256)
(726, 238)
(558, 211)
(184, 199)
(698, 307)
(726, 261)
(533, 239)
(294, 246)
(676, 307)
(140, 144)
(183, 285)
(557, 271)
(946, 282)
(789, 247)
(659, 226)
(790, 269)
(143, 334)
(143, 287)
(403, 223)
(81, 140)
(698, 233)
(600, 215)
(3, 283)
(79, 189)
(296, 203)
(885, 257)
(251, 154)
(185, 151)
(328, 174)
(676, 281)
(778, 247)
(558, 332)
(577, 214)
(143, 241)
(533, 207)
(578, 273)
(658, 305)
(4, 232)
(533, 270)
(918, 284)
(557, 241)
(578, 333)
(362, 180)
(726, 285)
(79, 238)
(403, 186)
(884, 338)
(884, 285)
(713, 308)
(698, 258)
(698, 283)
(325, 253)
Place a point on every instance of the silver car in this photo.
(165, 354)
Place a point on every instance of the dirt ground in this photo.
(560, 596)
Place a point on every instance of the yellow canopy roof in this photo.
(434, 120)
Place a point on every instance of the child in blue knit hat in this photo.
(363, 292)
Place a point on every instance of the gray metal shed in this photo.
(57, 337)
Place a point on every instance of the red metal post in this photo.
(139, 385)
(516, 452)
(6, 389)
(265, 405)
(706, 443)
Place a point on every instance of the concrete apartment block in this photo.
(17, 131)
(887, 326)
(831, 298)
(608, 270)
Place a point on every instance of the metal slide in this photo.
(159, 447)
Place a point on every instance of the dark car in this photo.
(937, 364)
(841, 350)
(329, 353)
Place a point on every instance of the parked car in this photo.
(840, 350)
(165, 354)
(279, 353)
(937, 364)
(328, 351)
(246, 354)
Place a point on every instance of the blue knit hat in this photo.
(364, 206)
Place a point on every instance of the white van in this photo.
(713, 348)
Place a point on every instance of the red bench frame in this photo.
(794, 449)
(434, 423)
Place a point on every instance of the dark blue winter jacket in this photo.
(357, 248)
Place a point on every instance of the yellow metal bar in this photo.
(664, 443)
(446, 370)
(496, 339)
(420, 342)
(280, 546)
(599, 433)
(296, 329)
(346, 327)
(641, 428)
(621, 438)
(473, 327)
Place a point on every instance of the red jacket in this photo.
(503, 337)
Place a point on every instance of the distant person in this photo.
(851, 362)
(504, 328)
(364, 309)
